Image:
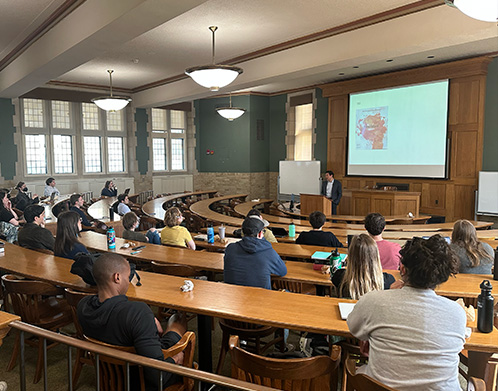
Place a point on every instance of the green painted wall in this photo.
(490, 151)
(229, 140)
(278, 117)
(142, 150)
(259, 153)
(8, 149)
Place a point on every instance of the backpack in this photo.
(83, 267)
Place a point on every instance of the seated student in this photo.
(76, 202)
(267, 233)
(475, 257)
(414, 335)
(251, 261)
(22, 200)
(123, 207)
(50, 188)
(66, 243)
(130, 224)
(34, 235)
(364, 271)
(174, 234)
(317, 237)
(109, 190)
(111, 318)
(388, 251)
(7, 214)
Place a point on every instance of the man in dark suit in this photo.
(332, 189)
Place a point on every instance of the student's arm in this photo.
(13, 221)
(278, 266)
(358, 319)
(188, 240)
(335, 242)
(299, 239)
(47, 239)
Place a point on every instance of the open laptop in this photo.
(127, 191)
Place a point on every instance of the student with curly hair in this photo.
(414, 335)
(475, 257)
(174, 234)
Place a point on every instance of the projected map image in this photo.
(371, 128)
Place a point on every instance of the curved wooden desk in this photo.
(202, 209)
(155, 207)
(99, 210)
(5, 320)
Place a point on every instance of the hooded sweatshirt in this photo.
(118, 321)
(251, 262)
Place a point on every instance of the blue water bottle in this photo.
(210, 232)
(111, 238)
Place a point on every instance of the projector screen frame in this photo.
(447, 151)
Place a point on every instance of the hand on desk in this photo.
(398, 284)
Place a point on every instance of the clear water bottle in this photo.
(485, 304)
(111, 238)
(210, 233)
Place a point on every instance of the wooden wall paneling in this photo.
(361, 206)
(403, 207)
(450, 201)
(345, 207)
(351, 183)
(337, 156)
(382, 205)
(464, 94)
(464, 202)
(338, 122)
(464, 155)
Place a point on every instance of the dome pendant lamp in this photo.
(214, 76)
(111, 102)
(230, 113)
(484, 10)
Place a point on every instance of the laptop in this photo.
(127, 191)
(52, 196)
(279, 232)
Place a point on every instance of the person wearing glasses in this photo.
(67, 242)
(130, 223)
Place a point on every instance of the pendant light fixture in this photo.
(230, 113)
(111, 102)
(214, 76)
(484, 10)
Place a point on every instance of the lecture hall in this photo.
(248, 195)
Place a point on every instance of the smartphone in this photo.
(138, 248)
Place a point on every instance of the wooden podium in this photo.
(312, 202)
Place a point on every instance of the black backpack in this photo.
(83, 267)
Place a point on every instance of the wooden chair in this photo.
(293, 286)
(36, 304)
(361, 382)
(82, 356)
(311, 373)
(250, 332)
(113, 371)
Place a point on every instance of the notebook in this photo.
(345, 309)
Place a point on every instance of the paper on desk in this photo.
(345, 309)
(201, 237)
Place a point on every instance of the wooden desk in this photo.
(388, 203)
(202, 209)
(5, 320)
(273, 308)
(156, 207)
(99, 210)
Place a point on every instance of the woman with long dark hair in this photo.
(67, 242)
(109, 190)
(475, 257)
(410, 329)
(7, 213)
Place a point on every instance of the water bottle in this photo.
(210, 232)
(111, 214)
(335, 260)
(292, 230)
(111, 238)
(291, 206)
(485, 303)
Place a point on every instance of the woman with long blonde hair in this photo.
(364, 270)
(475, 257)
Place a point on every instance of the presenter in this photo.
(332, 189)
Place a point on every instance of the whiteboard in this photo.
(487, 196)
(299, 177)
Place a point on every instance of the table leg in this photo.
(204, 323)
(478, 367)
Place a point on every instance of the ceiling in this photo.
(280, 44)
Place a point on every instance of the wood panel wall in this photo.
(453, 197)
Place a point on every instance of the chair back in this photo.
(476, 384)
(360, 382)
(113, 371)
(34, 301)
(73, 298)
(175, 269)
(311, 373)
(293, 286)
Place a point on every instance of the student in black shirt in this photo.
(317, 237)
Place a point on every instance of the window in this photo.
(300, 124)
(52, 130)
(168, 140)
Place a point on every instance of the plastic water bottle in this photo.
(485, 303)
(111, 238)
(210, 232)
(292, 230)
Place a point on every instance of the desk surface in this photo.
(202, 209)
(99, 210)
(155, 208)
(273, 308)
(5, 320)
